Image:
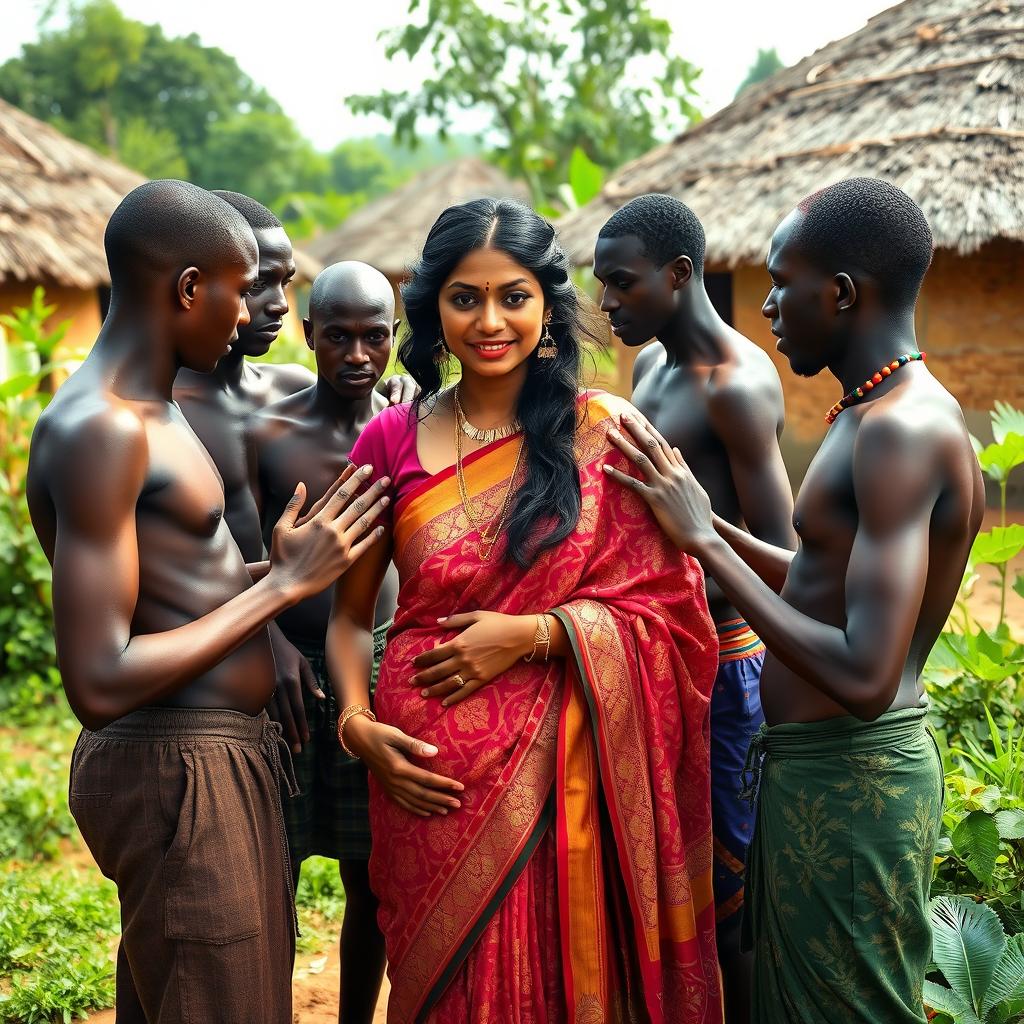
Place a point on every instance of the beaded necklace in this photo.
(858, 393)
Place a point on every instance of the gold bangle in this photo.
(350, 712)
(537, 634)
(546, 638)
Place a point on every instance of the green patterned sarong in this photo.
(839, 869)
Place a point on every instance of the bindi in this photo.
(487, 286)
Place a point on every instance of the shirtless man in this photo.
(717, 397)
(218, 405)
(161, 632)
(308, 436)
(850, 783)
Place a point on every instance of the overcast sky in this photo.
(310, 57)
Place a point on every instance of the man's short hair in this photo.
(666, 228)
(166, 224)
(255, 213)
(872, 225)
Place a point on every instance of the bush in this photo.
(975, 681)
(58, 934)
(34, 815)
(28, 672)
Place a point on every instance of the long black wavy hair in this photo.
(547, 506)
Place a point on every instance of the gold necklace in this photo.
(486, 541)
(487, 436)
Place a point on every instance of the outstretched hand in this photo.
(679, 503)
(309, 553)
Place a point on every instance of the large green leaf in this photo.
(1006, 420)
(976, 840)
(1010, 823)
(967, 942)
(998, 460)
(981, 656)
(998, 545)
(945, 1000)
(1008, 979)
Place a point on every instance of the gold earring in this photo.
(548, 347)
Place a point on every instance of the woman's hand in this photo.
(490, 643)
(387, 752)
(679, 503)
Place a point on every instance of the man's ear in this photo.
(307, 330)
(681, 269)
(845, 292)
(187, 287)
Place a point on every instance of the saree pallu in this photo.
(838, 873)
(574, 883)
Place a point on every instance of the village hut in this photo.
(56, 196)
(389, 232)
(930, 96)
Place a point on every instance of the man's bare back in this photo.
(922, 421)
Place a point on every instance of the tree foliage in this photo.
(168, 107)
(551, 76)
(766, 63)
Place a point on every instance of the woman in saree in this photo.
(538, 744)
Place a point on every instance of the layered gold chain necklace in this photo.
(487, 538)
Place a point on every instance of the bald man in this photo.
(308, 436)
(161, 632)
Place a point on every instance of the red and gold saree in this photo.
(574, 884)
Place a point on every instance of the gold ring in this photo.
(459, 681)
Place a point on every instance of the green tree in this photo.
(550, 74)
(261, 154)
(169, 107)
(766, 63)
(359, 165)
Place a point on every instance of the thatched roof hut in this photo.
(56, 196)
(389, 232)
(929, 95)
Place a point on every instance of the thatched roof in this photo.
(56, 196)
(929, 95)
(389, 232)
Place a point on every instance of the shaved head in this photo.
(351, 285)
(168, 225)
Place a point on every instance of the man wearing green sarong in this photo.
(847, 779)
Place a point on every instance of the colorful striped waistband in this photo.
(736, 640)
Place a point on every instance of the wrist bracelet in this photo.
(541, 636)
(350, 712)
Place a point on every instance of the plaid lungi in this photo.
(331, 815)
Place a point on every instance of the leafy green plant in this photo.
(34, 814)
(58, 933)
(980, 851)
(984, 969)
(320, 888)
(971, 668)
(28, 673)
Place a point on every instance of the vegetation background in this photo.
(556, 90)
